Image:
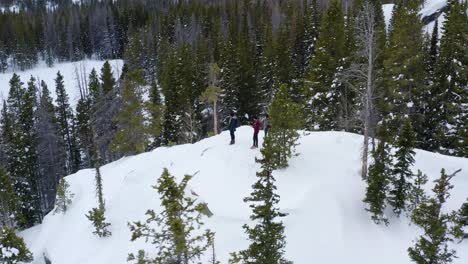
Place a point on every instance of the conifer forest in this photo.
(371, 90)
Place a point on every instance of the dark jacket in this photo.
(232, 123)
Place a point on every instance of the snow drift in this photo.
(321, 191)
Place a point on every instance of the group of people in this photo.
(256, 124)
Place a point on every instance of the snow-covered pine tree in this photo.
(433, 246)
(378, 179)
(451, 89)
(22, 151)
(13, 250)
(401, 178)
(427, 137)
(330, 50)
(64, 196)
(9, 203)
(131, 137)
(65, 121)
(286, 118)
(404, 76)
(229, 99)
(177, 232)
(50, 149)
(267, 82)
(266, 236)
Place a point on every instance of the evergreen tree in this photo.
(97, 215)
(451, 89)
(156, 110)
(65, 120)
(131, 137)
(321, 79)
(50, 149)
(22, 153)
(432, 247)
(286, 119)
(403, 75)
(83, 128)
(267, 235)
(417, 194)
(13, 250)
(267, 81)
(180, 237)
(8, 200)
(64, 196)
(94, 86)
(462, 222)
(107, 78)
(402, 175)
(378, 180)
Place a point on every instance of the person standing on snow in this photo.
(256, 127)
(232, 127)
(266, 124)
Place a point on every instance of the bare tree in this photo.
(362, 74)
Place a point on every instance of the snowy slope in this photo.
(431, 10)
(321, 190)
(67, 69)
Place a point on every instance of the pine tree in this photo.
(403, 75)
(131, 137)
(8, 201)
(212, 93)
(155, 108)
(451, 87)
(320, 81)
(107, 78)
(22, 153)
(13, 250)
(401, 174)
(64, 196)
(65, 120)
(267, 235)
(50, 149)
(83, 128)
(462, 222)
(433, 246)
(94, 86)
(180, 237)
(97, 215)
(417, 194)
(378, 179)
(286, 119)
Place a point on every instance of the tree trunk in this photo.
(215, 117)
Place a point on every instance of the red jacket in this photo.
(256, 126)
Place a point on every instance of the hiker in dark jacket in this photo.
(256, 127)
(232, 127)
(266, 124)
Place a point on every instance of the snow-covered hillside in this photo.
(321, 190)
(48, 74)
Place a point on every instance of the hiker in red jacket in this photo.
(256, 127)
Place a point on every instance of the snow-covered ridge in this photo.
(321, 190)
(48, 74)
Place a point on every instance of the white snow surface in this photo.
(321, 190)
(48, 74)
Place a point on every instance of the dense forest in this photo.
(189, 64)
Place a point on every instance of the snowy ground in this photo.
(321, 190)
(48, 74)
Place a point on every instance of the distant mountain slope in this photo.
(321, 191)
